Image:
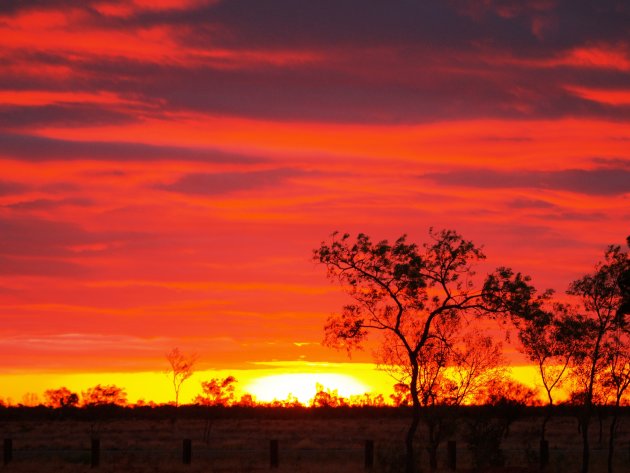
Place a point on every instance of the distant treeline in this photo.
(510, 412)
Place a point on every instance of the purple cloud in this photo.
(600, 181)
(228, 182)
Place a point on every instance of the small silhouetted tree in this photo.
(246, 400)
(30, 399)
(182, 368)
(401, 395)
(60, 398)
(100, 395)
(327, 398)
(217, 392)
(404, 290)
(602, 298)
(367, 400)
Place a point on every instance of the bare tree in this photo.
(548, 341)
(406, 291)
(182, 368)
(453, 368)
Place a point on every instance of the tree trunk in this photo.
(415, 419)
(547, 418)
(543, 429)
(611, 440)
(432, 446)
(585, 445)
(411, 434)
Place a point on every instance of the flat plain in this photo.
(307, 442)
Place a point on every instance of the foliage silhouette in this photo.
(408, 292)
(217, 392)
(601, 296)
(453, 369)
(327, 398)
(182, 368)
(104, 395)
(60, 397)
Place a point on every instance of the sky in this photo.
(167, 167)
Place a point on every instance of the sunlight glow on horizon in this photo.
(303, 386)
(295, 377)
(274, 380)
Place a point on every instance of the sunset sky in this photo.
(167, 167)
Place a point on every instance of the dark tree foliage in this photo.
(407, 291)
(100, 395)
(60, 398)
(217, 392)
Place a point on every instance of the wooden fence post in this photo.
(187, 452)
(369, 454)
(96, 453)
(273, 454)
(544, 454)
(452, 455)
(8, 451)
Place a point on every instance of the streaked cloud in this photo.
(37, 148)
(227, 182)
(8, 187)
(604, 181)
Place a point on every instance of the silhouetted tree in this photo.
(30, 399)
(624, 289)
(616, 379)
(246, 400)
(401, 395)
(367, 400)
(104, 395)
(60, 397)
(404, 290)
(217, 392)
(327, 398)
(453, 368)
(601, 297)
(182, 368)
(617, 376)
(290, 401)
(548, 340)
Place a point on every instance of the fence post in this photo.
(187, 452)
(8, 451)
(544, 454)
(452, 455)
(273, 454)
(369, 454)
(96, 453)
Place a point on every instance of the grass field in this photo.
(306, 444)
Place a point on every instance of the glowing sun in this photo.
(302, 386)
